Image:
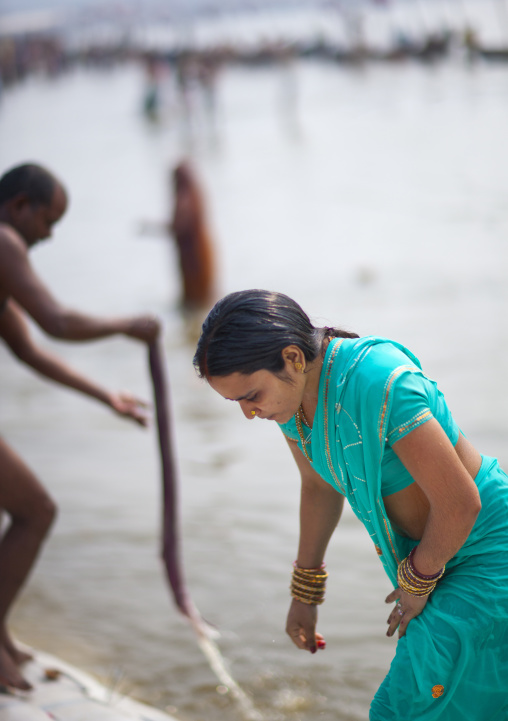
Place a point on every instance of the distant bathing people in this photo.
(196, 75)
(32, 201)
(190, 230)
(152, 94)
(365, 423)
(471, 44)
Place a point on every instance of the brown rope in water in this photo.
(170, 529)
(170, 538)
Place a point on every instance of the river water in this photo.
(377, 198)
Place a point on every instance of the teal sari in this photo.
(452, 664)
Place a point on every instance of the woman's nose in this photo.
(247, 409)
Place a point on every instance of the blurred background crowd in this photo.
(193, 40)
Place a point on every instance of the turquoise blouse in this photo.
(416, 399)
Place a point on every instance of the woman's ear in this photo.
(294, 357)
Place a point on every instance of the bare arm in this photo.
(453, 496)
(320, 510)
(153, 227)
(19, 281)
(454, 505)
(14, 330)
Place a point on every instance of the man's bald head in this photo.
(32, 200)
(31, 180)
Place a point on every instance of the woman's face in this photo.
(268, 395)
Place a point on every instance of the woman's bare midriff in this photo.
(408, 509)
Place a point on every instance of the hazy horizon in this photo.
(209, 6)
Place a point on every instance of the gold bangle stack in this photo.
(308, 584)
(412, 581)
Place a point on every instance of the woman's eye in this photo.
(253, 398)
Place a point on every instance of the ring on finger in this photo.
(399, 610)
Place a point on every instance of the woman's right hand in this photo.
(145, 328)
(301, 626)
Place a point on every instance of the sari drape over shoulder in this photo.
(349, 432)
(452, 664)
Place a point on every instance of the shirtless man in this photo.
(31, 202)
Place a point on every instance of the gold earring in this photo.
(253, 413)
(299, 367)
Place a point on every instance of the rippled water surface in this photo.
(377, 198)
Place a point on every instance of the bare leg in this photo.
(31, 513)
(20, 657)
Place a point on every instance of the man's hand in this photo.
(145, 328)
(127, 405)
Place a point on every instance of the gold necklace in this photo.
(303, 416)
(299, 416)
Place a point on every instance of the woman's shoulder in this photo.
(374, 362)
(385, 355)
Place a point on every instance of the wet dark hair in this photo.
(37, 183)
(247, 331)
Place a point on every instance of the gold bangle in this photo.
(308, 584)
(316, 580)
(410, 581)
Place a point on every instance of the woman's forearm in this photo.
(320, 511)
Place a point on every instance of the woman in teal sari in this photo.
(364, 422)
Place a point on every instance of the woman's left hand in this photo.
(127, 405)
(406, 608)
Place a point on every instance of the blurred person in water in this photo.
(32, 201)
(364, 422)
(190, 230)
(189, 227)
